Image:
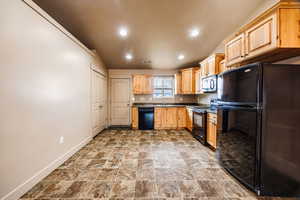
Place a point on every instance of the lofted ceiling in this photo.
(158, 30)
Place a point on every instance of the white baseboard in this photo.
(27, 185)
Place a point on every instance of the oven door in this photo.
(199, 124)
(238, 143)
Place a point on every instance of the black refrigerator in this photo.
(260, 139)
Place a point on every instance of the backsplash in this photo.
(175, 99)
(205, 98)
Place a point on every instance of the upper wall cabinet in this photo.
(273, 36)
(198, 82)
(261, 37)
(211, 65)
(142, 84)
(188, 80)
(235, 50)
(178, 83)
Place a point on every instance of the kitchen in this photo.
(131, 105)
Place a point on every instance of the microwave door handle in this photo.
(212, 84)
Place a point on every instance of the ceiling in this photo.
(158, 29)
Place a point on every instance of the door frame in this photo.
(129, 78)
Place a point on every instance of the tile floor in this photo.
(127, 164)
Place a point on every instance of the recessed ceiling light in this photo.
(180, 57)
(194, 32)
(123, 32)
(128, 56)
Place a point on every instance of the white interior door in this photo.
(120, 102)
(99, 102)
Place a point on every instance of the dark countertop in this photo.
(140, 105)
(192, 106)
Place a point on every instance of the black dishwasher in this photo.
(146, 118)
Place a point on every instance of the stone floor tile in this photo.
(123, 189)
(169, 189)
(145, 189)
(108, 174)
(63, 175)
(56, 189)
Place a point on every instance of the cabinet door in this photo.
(181, 117)
(198, 81)
(211, 66)
(158, 118)
(148, 84)
(137, 84)
(178, 83)
(189, 122)
(222, 66)
(185, 81)
(262, 37)
(212, 130)
(134, 117)
(289, 27)
(188, 81)
(171, 118)
(204, 68)
(234, 50)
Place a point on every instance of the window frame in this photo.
(164, 88)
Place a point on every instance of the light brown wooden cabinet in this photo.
(210, 66)
(188, 84)
(134, 117)
(142, 84)
(198, 82)
(165, 118)
(171, 118)
(261, 37)
(223, 66)
(159, 114)
(178, 83)
(181, 113)
(189, 119)
(211, 134)
(235, 49)
(272, 36)
(204, 68)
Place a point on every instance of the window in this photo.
(163, 86)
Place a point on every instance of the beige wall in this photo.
(44, 94)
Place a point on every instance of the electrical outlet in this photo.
(61, 140)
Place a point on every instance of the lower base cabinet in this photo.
(165, 118)
(134, 118)
(212, 130)
(181, 117)
(189, 119)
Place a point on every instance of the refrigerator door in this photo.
(280, 168)
(240, 86)
(237, 143)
